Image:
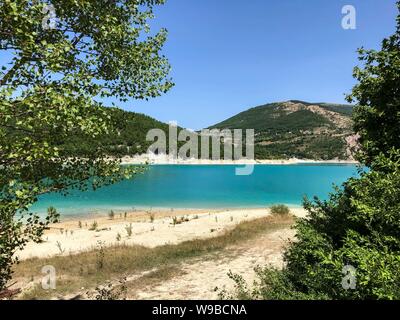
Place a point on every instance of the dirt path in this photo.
(199, 278)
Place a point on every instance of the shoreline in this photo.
(145, 228)
(165, 160)
(139, 210)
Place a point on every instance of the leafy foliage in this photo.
(50, 90)
(377, 115)
(359, 226)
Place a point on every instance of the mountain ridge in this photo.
(283, 130)
(297, 129)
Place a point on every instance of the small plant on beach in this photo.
(125, 215)
(111, 215)
(129, 230)
(119, 237)
(80, 224)
(60, 248)
(93, 226)
(62, 231)
(280, 210)
(151, 216)
(176, 220)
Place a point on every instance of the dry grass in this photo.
(81, 270)
(152, 278)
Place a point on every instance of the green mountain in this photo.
(283, 130)
(298, 129)
(128, 136)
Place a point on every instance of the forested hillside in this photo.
(128, 136)
(283, 130)
(297, 129)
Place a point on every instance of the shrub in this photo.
(94, 226)
(151, 216)
(357, 227)
(280, 209)
(118, 237)
(60, 248)
(176, 220)
(129, 230)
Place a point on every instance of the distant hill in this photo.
(284, 130)
(127, 138)
(298, 129)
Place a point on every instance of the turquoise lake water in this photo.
(208, 186)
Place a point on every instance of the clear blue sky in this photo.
(230, 55)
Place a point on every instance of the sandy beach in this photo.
(225, 241)
(163, 159)
(77, 235)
